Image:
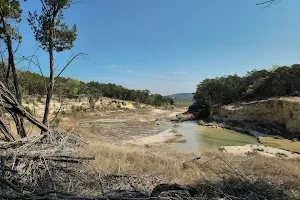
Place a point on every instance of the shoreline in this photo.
(260, 136)
(261, 149)
(157, 138)
(168, 134)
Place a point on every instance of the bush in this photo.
(30, 111)
(39, 99)
(55, 123)
(98, 107)
(77, 109)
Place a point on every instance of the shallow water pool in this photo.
(199, 137)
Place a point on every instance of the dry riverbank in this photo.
(144, 166)
(121, 125)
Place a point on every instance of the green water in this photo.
(199, 137)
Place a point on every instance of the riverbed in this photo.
(189, 137)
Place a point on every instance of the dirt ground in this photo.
(119, 125)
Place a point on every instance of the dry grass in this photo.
(175, 167)
(281, 143)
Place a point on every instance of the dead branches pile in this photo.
(46, 167)
(45, 164)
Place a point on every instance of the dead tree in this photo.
(11, 105)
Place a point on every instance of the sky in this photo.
(169, 46)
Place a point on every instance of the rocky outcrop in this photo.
(183, 117)
(281, 111)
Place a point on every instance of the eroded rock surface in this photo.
(282, 111)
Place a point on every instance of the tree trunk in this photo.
(13, 69)
(51, 83)
(12, 66)
(7, 76)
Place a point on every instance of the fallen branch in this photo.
(5, 130)
(16, 110)
(70, 159)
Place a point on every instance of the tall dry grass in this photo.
(177, 167)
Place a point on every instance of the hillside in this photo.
(181, 96)
(182, 99)
(264, 103)
(33, 84)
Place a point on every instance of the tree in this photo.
(53, 35)
(10, 12)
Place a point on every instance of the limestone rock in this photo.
(285, 111)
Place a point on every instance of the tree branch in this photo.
(69, 62)
(269, 2)
(30, 59)
(57, 112)
(5, 130)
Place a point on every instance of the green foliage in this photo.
(35, 85)
(159, 100)
(10, 11)
(257, 84)
(77, 109)
(183, 102)
(48, 26)
(39, 99)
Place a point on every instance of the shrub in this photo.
(55, 123)
(39, 99)
(29, 110)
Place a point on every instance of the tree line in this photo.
(255, 85)
(35, 85)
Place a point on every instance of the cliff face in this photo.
(285, 111)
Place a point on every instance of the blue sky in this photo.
(169, 46)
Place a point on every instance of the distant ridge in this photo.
(181, 96)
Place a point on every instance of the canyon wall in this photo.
(284, 111)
